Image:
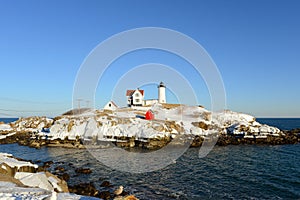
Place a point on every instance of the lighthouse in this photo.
(161, 93)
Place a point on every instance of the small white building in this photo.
(110, 106)
(135, 97)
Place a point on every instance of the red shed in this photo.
(149, 115)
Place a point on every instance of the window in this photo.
(137, 94)
(137, 100)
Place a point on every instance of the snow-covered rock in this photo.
(103, 125)
(31, 124)
(12, 162)
(11, 191)
(28, 185)
(5, 127)
(7, 135)
(127, 122)
(38, 180)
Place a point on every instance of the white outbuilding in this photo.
(110, 106)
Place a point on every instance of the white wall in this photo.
(110, 106)
(161, 95)
(137, 97)
(150, 102)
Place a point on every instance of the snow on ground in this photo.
(5, 127)
(228, 117)
(36, 186)
(129, 123)
(12, 162)
(10, 191)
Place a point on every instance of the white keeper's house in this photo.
(136, 97)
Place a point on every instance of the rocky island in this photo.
(128, 128)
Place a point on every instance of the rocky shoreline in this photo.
(286, 137)
(125, 128)
(40, 180)
(25, 139)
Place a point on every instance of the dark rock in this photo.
(285, 137)
(48, 163)
(197, 142)
(20, 137)
(124, 193)
(27, 169)
(87, 189)
(65, 176)
(105, 184)
(35, 144)
(105, 195)
(60, 168)
(83, 170)
(155, 143)
(41, 169)
(296, 130)
(201, 125)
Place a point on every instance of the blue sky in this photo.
(255, 45)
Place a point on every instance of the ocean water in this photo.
(230, 172)
(281, 123)
(8, 120)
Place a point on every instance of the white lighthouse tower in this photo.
(161, 93)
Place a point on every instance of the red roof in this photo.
(130, 92)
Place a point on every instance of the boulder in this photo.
(105, 184)
(105, 195)
(65, 176)
(7, 170)
(11, 179)
(59, 168)
(57, 183)
(129, 197)
(87, 189)
(201, 125)
(83, 170)
(197, 142)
